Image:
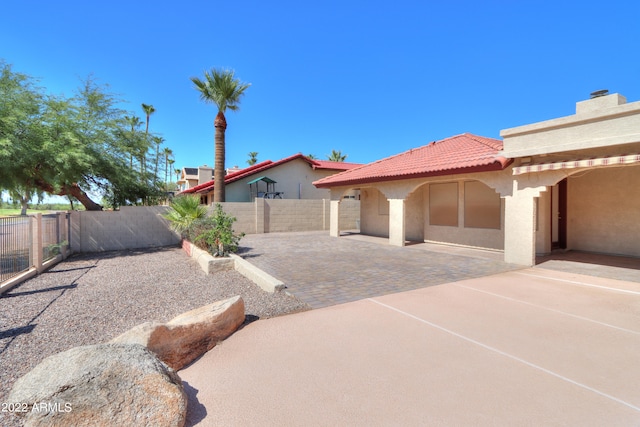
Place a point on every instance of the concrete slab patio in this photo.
(525, 347)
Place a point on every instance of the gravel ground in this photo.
(92, 298)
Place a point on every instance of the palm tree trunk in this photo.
(220, 124)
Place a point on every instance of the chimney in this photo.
(205, 174)
(599, 93)
(600, 100)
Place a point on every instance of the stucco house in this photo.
(567, 183)
(288, 178)
(190, 177)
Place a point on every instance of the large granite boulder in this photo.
(186, 337)
(102, 385)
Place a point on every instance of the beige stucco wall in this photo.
(294, 178)
(374, 213)
(414, 217)
(604, 211)
(601, 122)
(375, 219)
(461, 235)
(543, 224)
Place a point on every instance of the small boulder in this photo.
(102, 385)
(188, 336)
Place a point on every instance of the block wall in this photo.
(132, 227)
(137, 227)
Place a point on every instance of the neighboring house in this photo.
(289, 178)
(567, 183)
(190, 177)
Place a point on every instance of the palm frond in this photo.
(222, 88)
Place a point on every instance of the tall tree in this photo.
(148, 111)
(337, 156)
(168, 161)
(158, 140)
(134, 122)
(21, 132)
(69, 147)
(253, 158)
(221, 88)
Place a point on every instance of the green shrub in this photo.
(215, 233)
(183, 211)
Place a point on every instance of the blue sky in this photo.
(369, 78)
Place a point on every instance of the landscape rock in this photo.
(189, 335)
(101, 385)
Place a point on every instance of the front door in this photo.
(559, 215)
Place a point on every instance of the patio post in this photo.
(520, 225)
(396, 222)
(334, 218)
(36, 221)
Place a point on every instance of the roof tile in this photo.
(457, 154)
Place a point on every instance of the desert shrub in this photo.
(183, 211)
(215, 233)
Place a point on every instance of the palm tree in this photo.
(168, 161)
(184, 211)
(148, 111)
(134, 122)
(158, 140)
(178, 172)
(337, 156)
(311, 156)
(221, 88)
(253, 158)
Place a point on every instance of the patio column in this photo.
(520, 229)
(396, 222)
(334, 218)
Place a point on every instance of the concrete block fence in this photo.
(275, 216)
(138, 227)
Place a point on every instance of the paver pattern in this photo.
(323, 270)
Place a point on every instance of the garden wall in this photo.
(132, 227)
(282, 215)
(137, 227)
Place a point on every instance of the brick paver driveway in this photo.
(323, 270)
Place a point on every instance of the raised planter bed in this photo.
(210, 264)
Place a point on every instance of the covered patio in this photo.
(562, 184)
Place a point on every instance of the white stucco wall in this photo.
(604, 211)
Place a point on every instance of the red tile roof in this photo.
(268, 164)
(327, 164)
(458, 154)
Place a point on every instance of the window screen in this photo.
(443, 204)
(481, 206)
